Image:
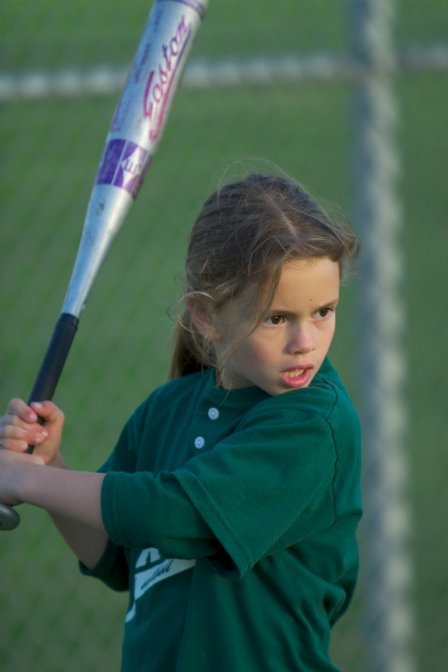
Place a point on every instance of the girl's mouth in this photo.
(296, 378)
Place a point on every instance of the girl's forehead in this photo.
(306, 274)
(315, 279)
(308, 266)
(308, 279)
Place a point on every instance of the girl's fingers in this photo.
(48, 411)
(15, 445)
(20, 427)
(38, 424)
(30, 413)
(20, 440)
(18, 408)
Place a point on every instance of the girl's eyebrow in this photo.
(273, 310)
(334, 302)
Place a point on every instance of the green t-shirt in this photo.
(232, 517)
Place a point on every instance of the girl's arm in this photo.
(54, 488)
(87, 544)
(72, 498)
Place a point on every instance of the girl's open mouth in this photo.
(295, 378)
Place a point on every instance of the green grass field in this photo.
(51, 619)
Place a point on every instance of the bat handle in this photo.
(44, 388)
(55, 358)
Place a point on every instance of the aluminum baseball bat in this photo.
(133, 137)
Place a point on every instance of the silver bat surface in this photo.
(131, 142)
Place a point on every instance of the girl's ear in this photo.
(202, 319)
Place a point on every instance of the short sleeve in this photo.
(112, 569)
(270, 480)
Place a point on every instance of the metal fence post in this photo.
(386, 566)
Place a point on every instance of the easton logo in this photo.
(160, 81)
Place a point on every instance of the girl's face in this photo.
(285, 351)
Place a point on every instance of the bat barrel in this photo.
(106, 211)
(134, 135)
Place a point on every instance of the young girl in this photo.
(229, 506)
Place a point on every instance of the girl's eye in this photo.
(274, 320)
(323, 313)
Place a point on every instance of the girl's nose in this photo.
(301, 339)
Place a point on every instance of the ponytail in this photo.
(184, 359)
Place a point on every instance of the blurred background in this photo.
(267, 82)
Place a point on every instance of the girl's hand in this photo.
(20, 428)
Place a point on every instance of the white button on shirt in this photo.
(213, 413)
(199, 442)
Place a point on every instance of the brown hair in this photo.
(243, 235)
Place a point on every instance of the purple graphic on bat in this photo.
(124, 165)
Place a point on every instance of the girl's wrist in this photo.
(25, 480)
(57, 462)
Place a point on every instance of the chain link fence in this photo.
(266, 82)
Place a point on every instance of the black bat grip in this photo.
(44, 388)
(55, 358)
